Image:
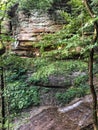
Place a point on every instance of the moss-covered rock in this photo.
(48, 73)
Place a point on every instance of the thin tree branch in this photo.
(89, 8)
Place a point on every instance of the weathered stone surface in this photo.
(30, 29)
(36, 23)
(76, 116)
(60, 80)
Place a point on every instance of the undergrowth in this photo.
(71, 93)
(45, 68)
(21, 74)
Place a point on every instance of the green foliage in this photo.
(21, 95)
(94, 5)
(80, 89)
(80, 80)
(43, 73)
(4, 7)
(18, 91)
(7, 125)
(63, 43)
(35, 4)
(4, 37)
(72, 93)
(42, 5)
(45, 67)
(1, 46)
(13, 62)
(45, 90)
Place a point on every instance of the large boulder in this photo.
(58, 80)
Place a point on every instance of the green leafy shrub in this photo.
(35, 4)
(45, 68)
(21, 95)
(18, 91)
(72, 93)
(80, 89)
(80, 80)
(12, 62)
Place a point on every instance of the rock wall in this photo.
(30, 29)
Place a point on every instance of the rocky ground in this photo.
(75, 116)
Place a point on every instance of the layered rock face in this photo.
(30, 29)
(38, 23)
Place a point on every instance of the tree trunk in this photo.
(93, 92)
(2, 99)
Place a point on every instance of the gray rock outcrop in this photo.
(76, 116)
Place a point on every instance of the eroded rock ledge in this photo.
(76, 116)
